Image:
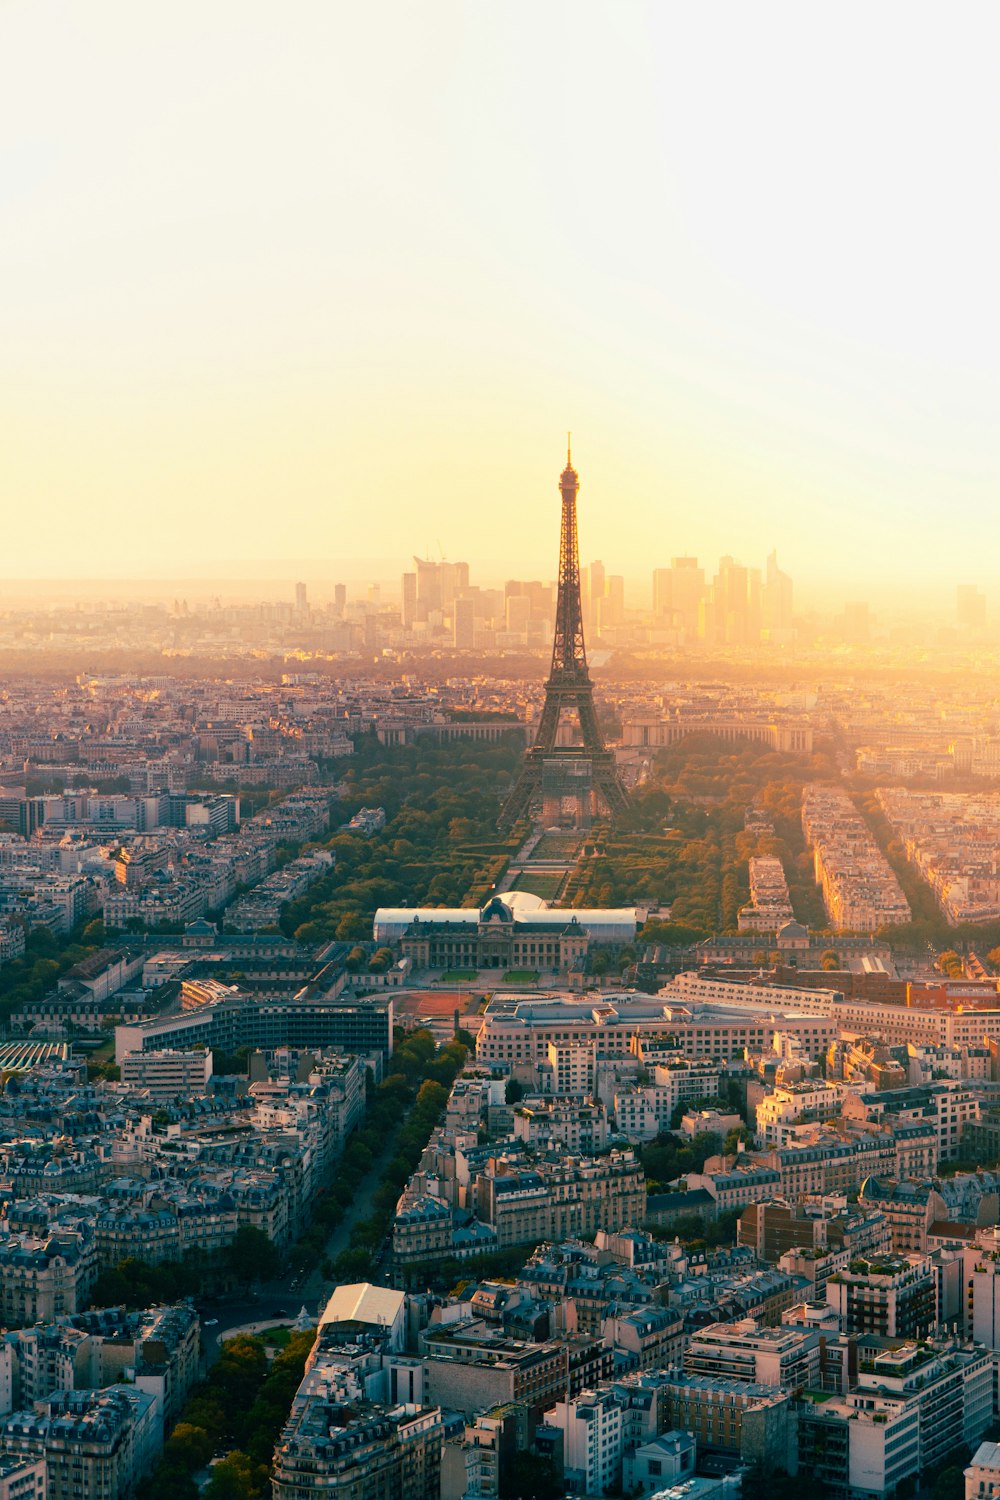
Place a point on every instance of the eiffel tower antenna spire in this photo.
(583, 773)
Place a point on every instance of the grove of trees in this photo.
(684, 842)
(241, 1407)
(439, 846)
(46, 957)
(402, 1112)
(134, 1283)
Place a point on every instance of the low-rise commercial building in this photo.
(783, 1356)
(168, 1074)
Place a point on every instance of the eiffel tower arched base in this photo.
(549, 780)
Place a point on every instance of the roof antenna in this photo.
(569, 449)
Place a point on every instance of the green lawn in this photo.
(521, 976)
(547, 883)
(277, 1337)
(462, 976)
(557, 846)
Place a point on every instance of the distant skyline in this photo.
(333, 282)
(276, 583)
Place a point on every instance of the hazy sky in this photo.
(331, 279)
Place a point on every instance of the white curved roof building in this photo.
(392, 921)
(524, 901)
(613, 925)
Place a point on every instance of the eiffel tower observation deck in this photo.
(567, 778)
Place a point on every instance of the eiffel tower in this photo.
(583, 773)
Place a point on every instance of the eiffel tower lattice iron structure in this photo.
(553, 773)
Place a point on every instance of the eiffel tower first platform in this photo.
(575, 779)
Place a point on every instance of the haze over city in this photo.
(335, 288)
(499, 751)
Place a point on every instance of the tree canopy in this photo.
(439, 845)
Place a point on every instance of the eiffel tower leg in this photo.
(519, 799)
(606, 782)
(548, 724)
(589, 729)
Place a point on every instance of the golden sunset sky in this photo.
(328, 281)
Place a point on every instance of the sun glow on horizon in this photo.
(334, 283)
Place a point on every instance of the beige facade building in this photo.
(860, 890)
(44, 1279)
(571, 1197)
(422, 1228)
(728, 1416)
(688, 1019)
(22, 1478)
(96, 1445)
(354, 1454)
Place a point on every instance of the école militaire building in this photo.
(507, 933)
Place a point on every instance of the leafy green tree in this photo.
(107, 1069)
(432, 1097)
(188, 1447)
(353, 1265)
(311, 933)
(529, 1476)
(204, 1411)
(41, 943)
(671, 934)
(238, 1477)
(239, 1370)
(357, 1159)
(169, 1482)
(350, 927)
(949, 1484)
(44, 971)
(252, 1256)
